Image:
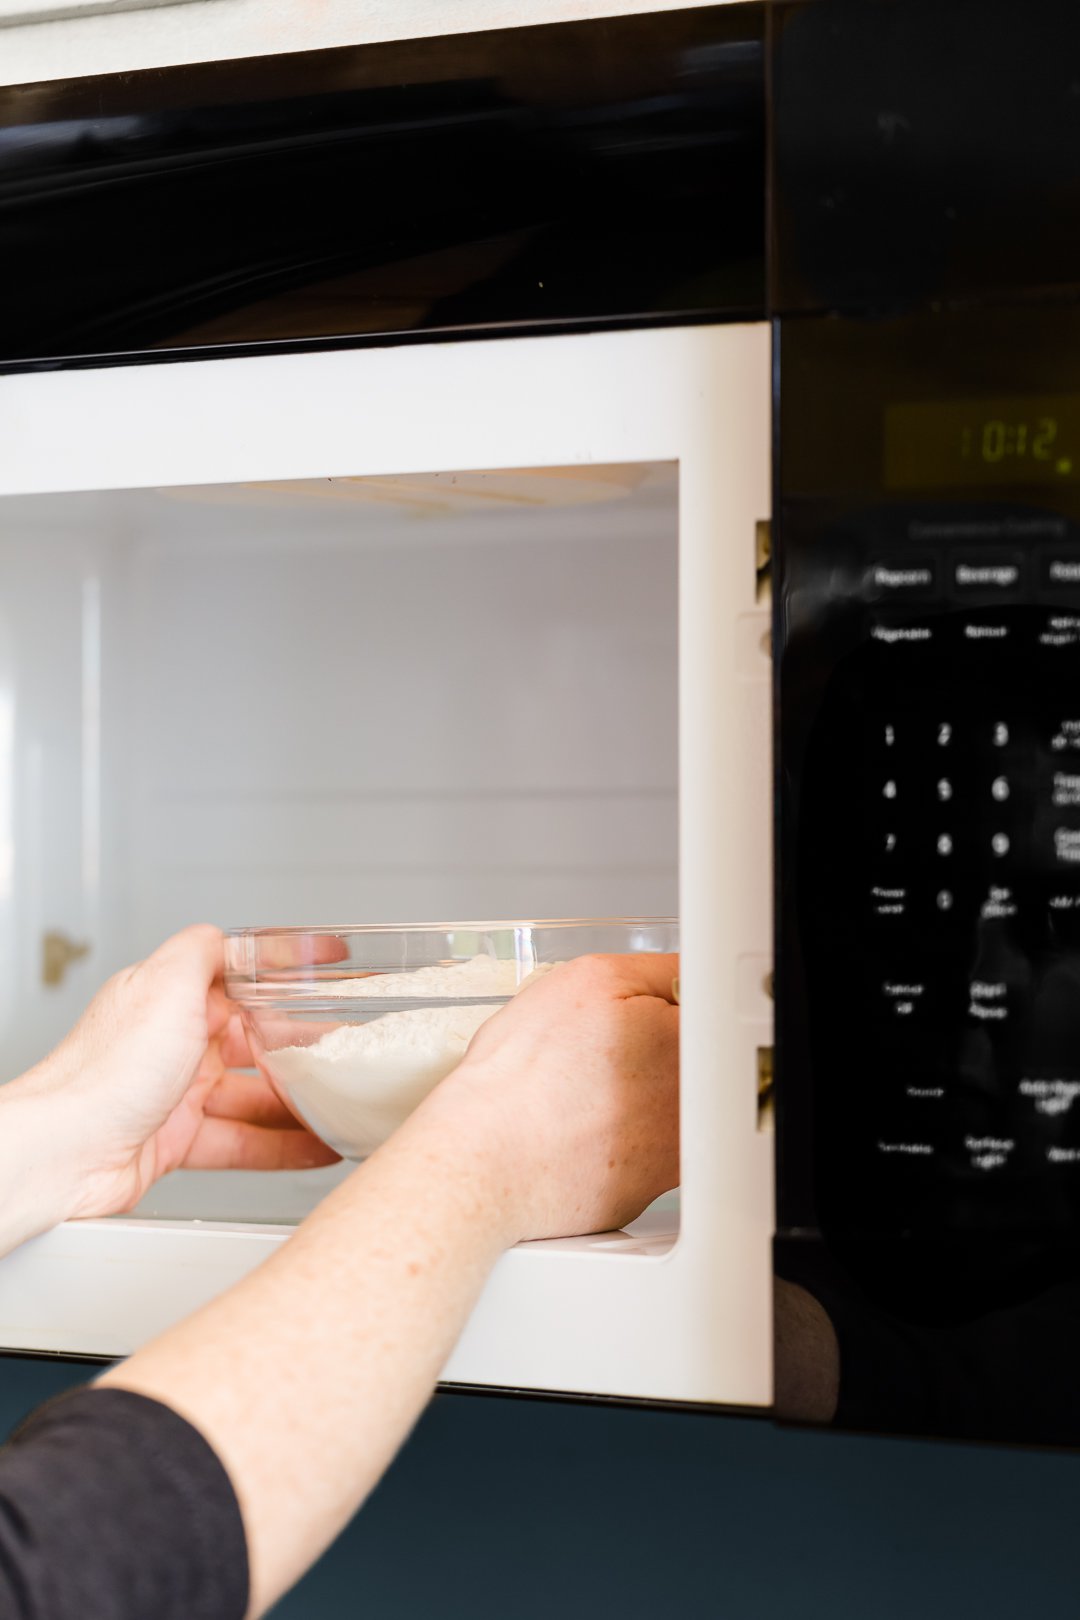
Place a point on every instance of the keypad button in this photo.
(901, 579)
(1065, 790)
(962, 813)
(989, 1000)
(999, 905)
(888, 900)
(1067, 846)
(990, 636)
(1058, 635)
(1060, 571)
(1063, 919)
(989, 575)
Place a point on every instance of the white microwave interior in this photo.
(366, 700)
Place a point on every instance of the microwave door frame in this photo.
(684, 1319)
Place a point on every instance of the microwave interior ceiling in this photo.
(444, 494)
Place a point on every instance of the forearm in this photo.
(35, 1182)
(308, 1376)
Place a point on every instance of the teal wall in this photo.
(531, 1510)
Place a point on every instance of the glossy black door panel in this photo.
(593, 172)
(924, 151)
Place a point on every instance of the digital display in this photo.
(972, 443)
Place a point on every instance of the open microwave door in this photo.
(678, 1307)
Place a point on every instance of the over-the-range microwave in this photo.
(611, 468)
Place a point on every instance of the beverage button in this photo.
(988, 574)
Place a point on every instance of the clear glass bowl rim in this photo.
(290, 986)
(507, 924)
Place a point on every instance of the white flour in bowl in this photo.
(360, 1081)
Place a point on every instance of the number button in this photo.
(1001, 734)
(1000, 788)
(944, 844)
(889, 790)
(944, 734)
(944, 789)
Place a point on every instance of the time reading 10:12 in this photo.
(1005, 441)
(998, 440)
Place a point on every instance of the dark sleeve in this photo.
(114, 1507)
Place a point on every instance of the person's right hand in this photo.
(573, 1088)
(153, 1078)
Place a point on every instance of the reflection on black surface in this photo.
(924, 150)
(581, 172)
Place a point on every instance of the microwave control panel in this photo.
(938, 890)
(927, 603)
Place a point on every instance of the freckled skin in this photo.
(306, 1377)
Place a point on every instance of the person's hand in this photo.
(573, 1090)
(150, 1080)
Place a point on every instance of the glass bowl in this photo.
(354, 1026)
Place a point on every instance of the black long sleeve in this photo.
(113, 1507)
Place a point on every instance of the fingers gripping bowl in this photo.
(355, 1026)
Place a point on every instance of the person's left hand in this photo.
(150, 1080)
